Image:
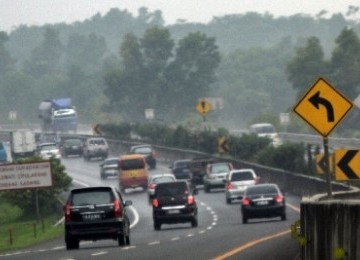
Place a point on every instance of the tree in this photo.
(151, 78)
(46, 58)
(344, 72)
(345, 63)
(85, 51)
(307, 65)
(6, 61)
(190, 75)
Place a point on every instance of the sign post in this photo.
(323, 107)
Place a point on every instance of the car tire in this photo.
(127, 240)
(71, 243)
(207, 188)
(157, 225)
(283, 216)
(244, 219)
(228, 201)
(121, 239)
(194, 222)
(103, 176)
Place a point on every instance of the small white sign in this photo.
(149, 113)
(25, 175)
(284, 118)
(12, 115)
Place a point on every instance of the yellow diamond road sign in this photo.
(203, 107)
(323, 107)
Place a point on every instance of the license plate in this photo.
(262, 203)
(91, 217)
(173, 211)
(133, 174)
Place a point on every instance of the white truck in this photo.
(22, 143)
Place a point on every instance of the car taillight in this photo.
(152, 186)
(117, 209)
(67, 210)
(246, 201)
(229, 186)
(155, 203)
(278, 198)
(191, 200)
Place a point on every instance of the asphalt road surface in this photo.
(220, 234)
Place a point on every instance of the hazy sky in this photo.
(39, 12)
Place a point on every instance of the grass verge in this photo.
(22, 234)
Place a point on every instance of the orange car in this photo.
(133, 172)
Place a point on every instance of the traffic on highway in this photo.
(217, 233)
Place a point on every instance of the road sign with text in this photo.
(323, 107)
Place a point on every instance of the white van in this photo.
(266, 130)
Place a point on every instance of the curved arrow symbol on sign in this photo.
(316, 100)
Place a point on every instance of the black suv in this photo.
(174, 202)
(146, 150)
(96, 213)
(181, 169)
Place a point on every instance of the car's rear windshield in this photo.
(142, 150)
(73, 142)
(97, 142)
(268, 189)
(182, 164)
(91, 197)
(242, 176)
(48, 147)
(219, 168)
(171, 189)
(162, 179)
(112, 161)
(132, 164)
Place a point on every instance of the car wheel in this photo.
(194, 222)
(71, 243)
(102, 176)
(121, 239)
(207, 188)
(283, 216)
(244, 219)
(228, 201)
(157, 225)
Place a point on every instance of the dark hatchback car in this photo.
(73, 146)
(96, 213)
(174, 202)
(263, 201)
(146, 150)
(181, 169)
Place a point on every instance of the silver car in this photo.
(156, 179)
(237, 181)
(216, 174)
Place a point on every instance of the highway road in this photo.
(220, 234)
